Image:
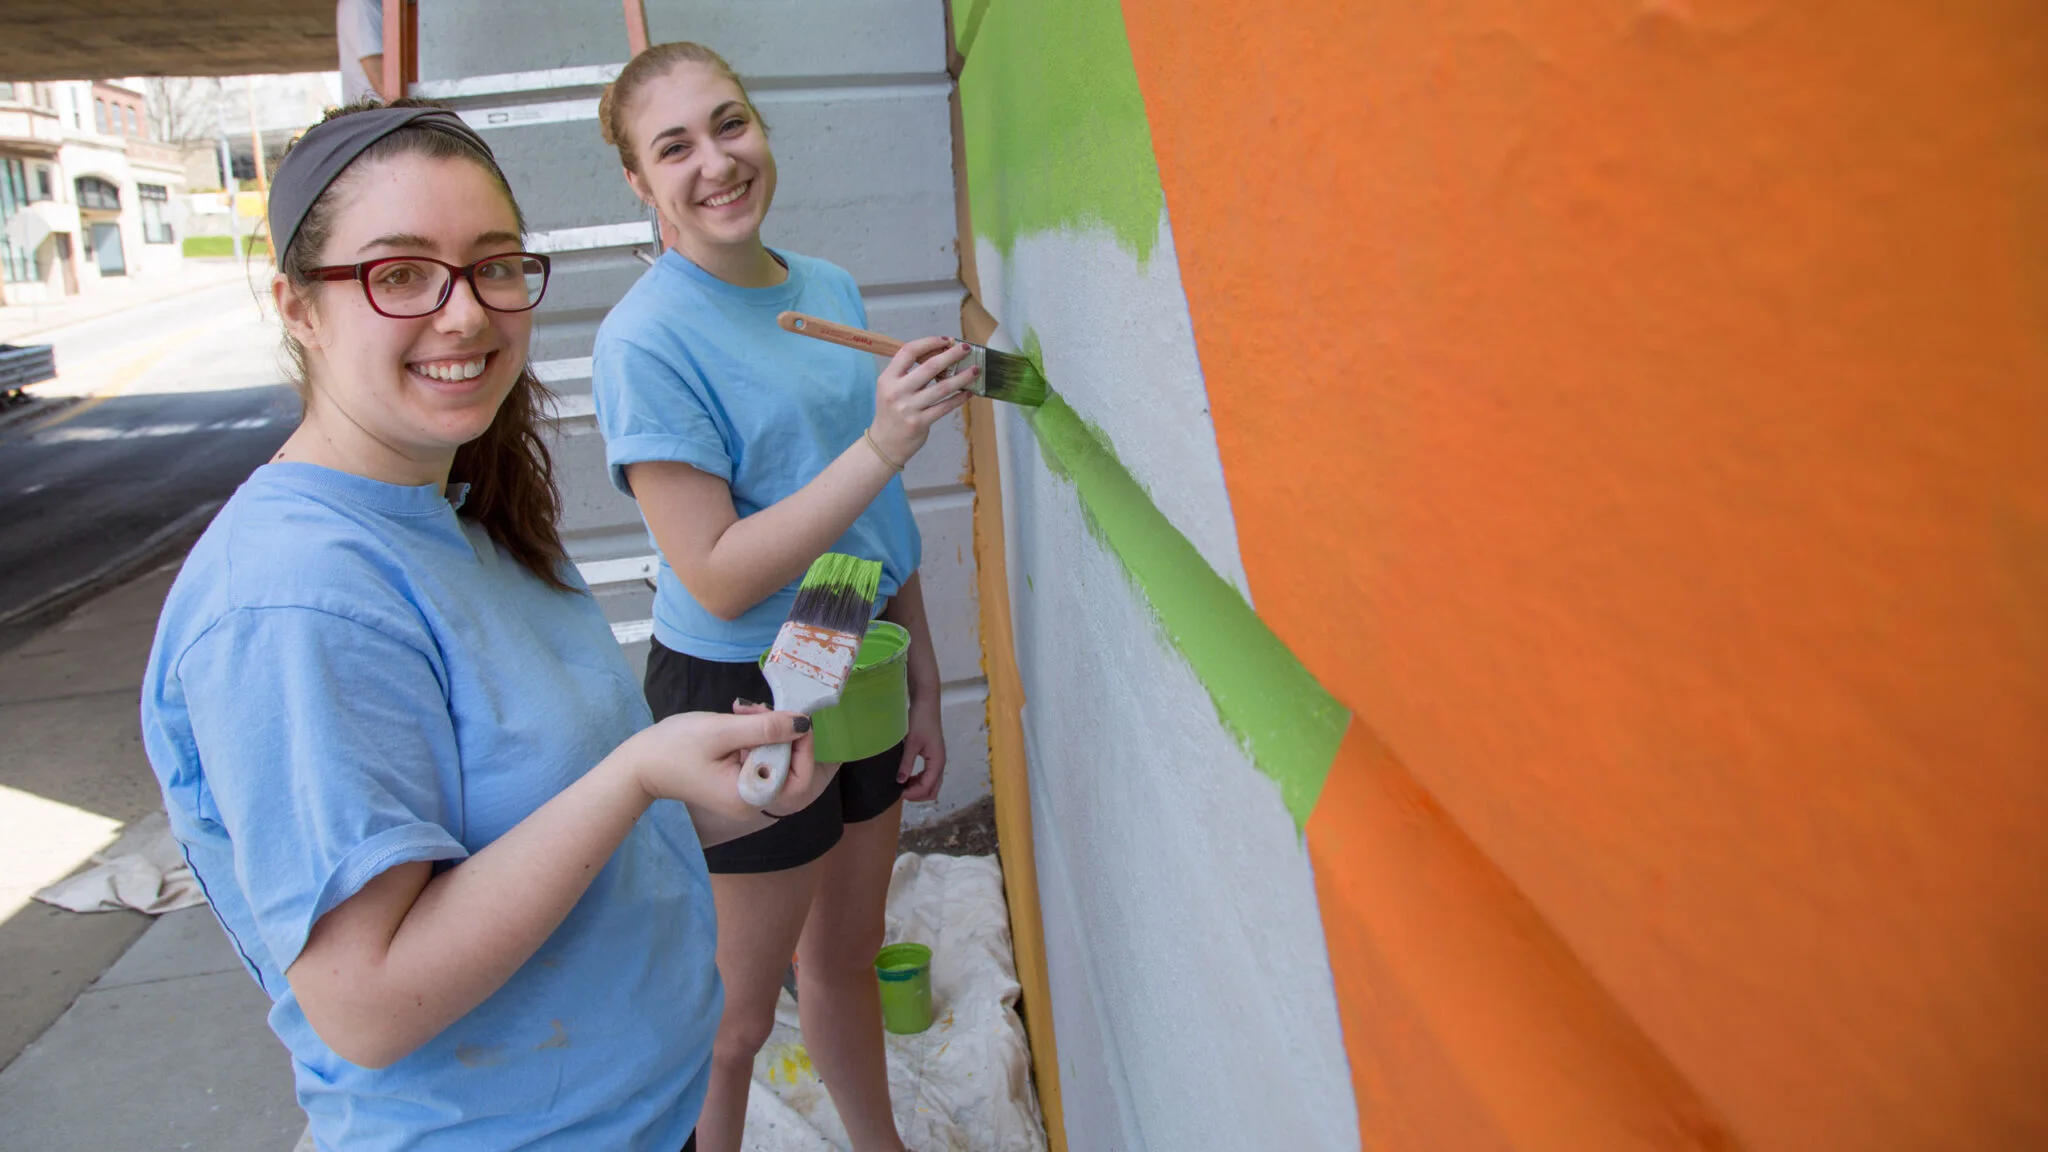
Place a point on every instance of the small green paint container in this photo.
(905, 973)
(873, 713)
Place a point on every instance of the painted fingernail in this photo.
(802, 724)
(742, 702)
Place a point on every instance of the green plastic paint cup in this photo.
(873, 713)
(905, 973)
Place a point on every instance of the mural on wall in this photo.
(1642, 514)
(1072, 238)
(1675, 511)
(1175, 744)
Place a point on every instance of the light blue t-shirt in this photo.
(348, 677)
(692, 369)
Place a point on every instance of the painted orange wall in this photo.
(1638, 414)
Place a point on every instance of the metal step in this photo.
(471, 89)
(624, 235)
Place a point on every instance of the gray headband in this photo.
(330, 147)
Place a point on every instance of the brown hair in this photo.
(652, 63)
(510, 475)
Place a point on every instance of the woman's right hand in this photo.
(910, 396)
(695, 757)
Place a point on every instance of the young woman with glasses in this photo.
(394, 733)
(752, 451)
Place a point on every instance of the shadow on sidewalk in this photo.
(72, 775)
(116, 1030)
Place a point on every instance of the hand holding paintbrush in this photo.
(1003, 375)
(812, 657)
(698, 758)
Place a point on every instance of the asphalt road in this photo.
(181, 399)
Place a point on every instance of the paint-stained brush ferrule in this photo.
(823, 656)
(977, 357)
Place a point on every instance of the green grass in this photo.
(222, 246)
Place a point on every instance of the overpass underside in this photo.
(92, 39)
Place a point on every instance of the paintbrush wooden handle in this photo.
(847, 335)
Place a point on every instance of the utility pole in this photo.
(227, 166)
(256, 142)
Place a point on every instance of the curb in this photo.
(36, 408)
(17, 625)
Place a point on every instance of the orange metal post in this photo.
(395, 47)
(636, 26)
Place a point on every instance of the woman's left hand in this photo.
(926, 739)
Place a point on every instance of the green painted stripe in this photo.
(1054, 125)
(1057, 140)
(1286, 721)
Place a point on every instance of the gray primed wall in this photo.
(518, 36)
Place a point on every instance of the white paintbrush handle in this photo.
(762, 777)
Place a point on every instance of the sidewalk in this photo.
(158, 1045)
(19, 323)
(167, 1049)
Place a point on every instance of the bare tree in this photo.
(181, 108)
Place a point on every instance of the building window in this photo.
(156, 204)
(43, 186)
(99, 115)
(96, 193)
(6, 90)
(15, 263)
(134, 122)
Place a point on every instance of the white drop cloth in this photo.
(964, 1084)
(144, 870)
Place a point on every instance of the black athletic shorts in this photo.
(863, 790)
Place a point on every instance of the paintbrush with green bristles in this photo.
(813, 656)
(1004, 376)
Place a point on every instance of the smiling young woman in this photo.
(751, 452)
(402, 751)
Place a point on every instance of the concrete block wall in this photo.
(856, 98)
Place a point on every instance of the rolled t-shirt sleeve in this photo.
(327, 759)
(649, 410)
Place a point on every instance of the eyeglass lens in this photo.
(509, 283)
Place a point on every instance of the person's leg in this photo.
(760, 918)
(761, 884)
(837, 997)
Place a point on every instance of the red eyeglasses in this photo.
(406, 287)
